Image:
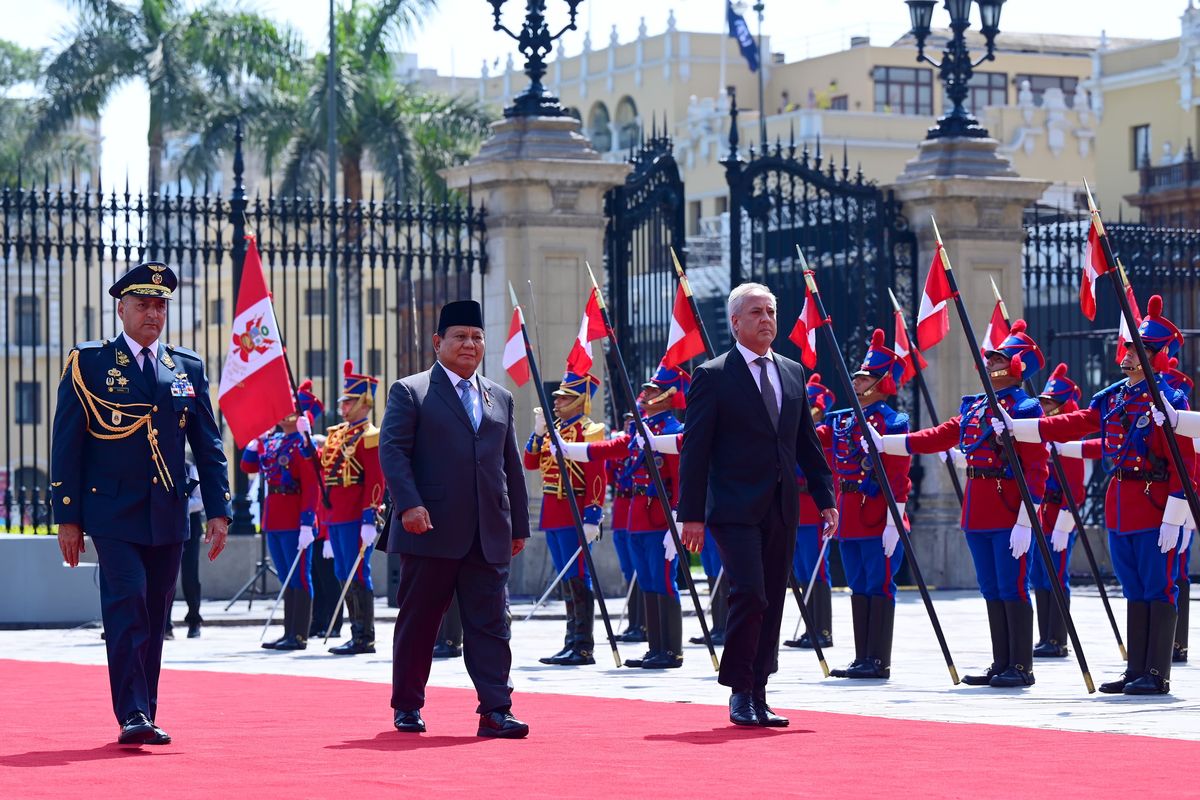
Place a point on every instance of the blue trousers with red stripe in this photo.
(346, 541)
(620, 539)
(282, 545)
(1039, 578)
(655, 574)
(1000, 576)
(563, 542)
(1146, 575)
(1185, 555)
(804, 560)
(868, 571)
(710, 556)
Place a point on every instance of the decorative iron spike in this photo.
(845, 161)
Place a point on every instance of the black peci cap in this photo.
(460, 312)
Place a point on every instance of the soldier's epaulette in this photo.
(370, 437)
(1026, 407)
(183, 351)
(832, 415)
(92, 345)
(898, 422)
(968, 401)
(593, 431)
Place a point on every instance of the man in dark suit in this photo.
(127, 407)
(448, 448)
(748, 427)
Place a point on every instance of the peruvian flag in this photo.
(933, 318)
(1123, 335)
(997, 330)
(1094, 266)
(804, 332)
(579, 360)
(908, 354)
(255, 392)
(516, 358)
(684, 341)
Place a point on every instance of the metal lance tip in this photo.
(954, 674)
(716, 662)
(1124, 653)
(616, 658)
(824, 668)
(1091, 687)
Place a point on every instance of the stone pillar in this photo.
(978, 201)
(542, 185)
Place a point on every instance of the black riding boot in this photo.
(1020, 647)
(350, 647)
(1179, 656)
(1137, 633)
(635, 629)
(581, 650)
(654, 636)
(860, 615)
(569, 638)
(823, 612)
(301, 618)
(450, 633)
(670, 620)
(1052, 642)
(1157, 678)
(287, 622)
(998, 627)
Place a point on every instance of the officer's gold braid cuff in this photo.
(94, 404)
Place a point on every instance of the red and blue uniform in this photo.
(620, 478)
(1065, 393)
(285, 462)
(808, 529)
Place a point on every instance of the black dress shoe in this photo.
(867, 669)
(741, 709)
(443, 650)
(663, 659)
(1049, 650)
(1117, 686)
(804, 642)
(501, 725)
(981, 680)
(194, 630)
(844, 672)
(1012, 678)
(632, 635)
(637, 662)
(160, 736)
(353, 647)
(1149, 684)
(292, 643)
(718, 638)
(137, 729)
(408, 721)
(766, 717)
(274, 644)
(556, 658)
(576, 658)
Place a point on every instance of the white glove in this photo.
(1171, 416)
(875, 437)
(572, 451)
(1186, 423)
(1061, 537)
(539, 422)
(958, 457)
(252, 445)
(303, 425)
(306, 536)
(327, 549)
(669, 546)
(591, 532)
(636, 441)
(1175, 517)
(1070, 449)
(367, 533)
(1019, 539)
(890, 537)
(1003, 422)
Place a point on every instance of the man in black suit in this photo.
(748, 427)
(448, 449)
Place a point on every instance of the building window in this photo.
(375, 301)
(904, 90)
(27, 321)
(627, 125)
(216, 311)
(985, 89)
(314, 363)
(1038, 84)
(839, 102)
(1139, 152)
(314, 302)
(694, 214)
(722, 205)
(375, 362)
(598, 130)
(29, 407)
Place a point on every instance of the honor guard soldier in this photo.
(1144, 505)
(350, 468)
(572, 404)
(127, 407)
(994, 519)
(284, 458)
(620, 478)
(1180, 382)
(650, 540)
(1060, 396)
(868, 538)
(808, 532)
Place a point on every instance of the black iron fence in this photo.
(358, 278)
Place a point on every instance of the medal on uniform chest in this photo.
(116, 417)
(284, 460)
(348, 451)
(170, 362)
(183, 420)
(122, 358)
(1143, 421)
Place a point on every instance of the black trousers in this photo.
(326, 588)
(137, 585)
(426, 588)
(757, 557)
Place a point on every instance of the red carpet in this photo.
(265, 736)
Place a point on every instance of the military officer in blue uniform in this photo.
(127, 406)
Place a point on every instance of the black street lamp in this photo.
(956, 67)
(535, 42)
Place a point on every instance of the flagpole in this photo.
(687, 291)
(914, 354)
(724, 46)
(1010, 449)
(877, 463)
(1060, 475)
(565, 476)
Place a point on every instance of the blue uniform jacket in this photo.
(117, 466)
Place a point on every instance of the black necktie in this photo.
(148, 371)
(768, 391)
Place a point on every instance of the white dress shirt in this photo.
(756, 372)
(474, 381)
(136, 349)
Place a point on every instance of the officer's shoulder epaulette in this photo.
(1026, 406)
(93, 345)
(370, 437)
(339, 426)
(593, 431)
(897, 421)
(830, 416)
(175, 349)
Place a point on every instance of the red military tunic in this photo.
(290, 477)
(862, 507)
(645, 510)
(992, 499)
(1053, 501)
(350, 468)
(809, 513)
(588, 480)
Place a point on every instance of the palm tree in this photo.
(188, 60)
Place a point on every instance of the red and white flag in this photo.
(933, 318)
(804, 332)
(905, 350)
(997, 330)
(1123, 334)
(516, 358)
(579, 360)
(255, 392)
(684, 341)
(1094, 265)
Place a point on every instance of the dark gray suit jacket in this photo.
(468, 480)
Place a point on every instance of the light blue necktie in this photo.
(470, 402)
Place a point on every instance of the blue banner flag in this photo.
(738, 29)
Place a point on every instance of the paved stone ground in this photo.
(920, 687)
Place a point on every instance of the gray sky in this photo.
(459, 36)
